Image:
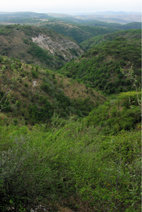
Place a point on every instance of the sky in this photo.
(70, 6)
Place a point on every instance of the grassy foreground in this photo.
(85, 164)
(69, 166)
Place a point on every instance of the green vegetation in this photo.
(50, 50)
(128, 35)
(92, 164)
(77, 32)
(5, 30)
(104, 19)
(32, 95)
(22, 17)
(69, 165)
(41, 54)
(80, 29)
(70, 140)
(118, 114)
(103, 66)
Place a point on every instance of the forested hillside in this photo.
(127, 34)
(112, 65)
(91, 164)
(80, 30)
(30, 94)
(70, 98)
(37, 45)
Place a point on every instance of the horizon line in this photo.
(71, 12)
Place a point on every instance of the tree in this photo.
(131, 76)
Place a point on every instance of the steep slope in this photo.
(78, 32)
(111, 66)
(36, 45)
(120, 112)
(30, 94)
(127, 34)
(63, 145)
(90, 165)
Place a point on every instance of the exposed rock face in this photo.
(58, 46)
(36, 45)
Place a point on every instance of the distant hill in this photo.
(128, 34)
(132, 25)
(76, 27)
(30, 94)
(70, 138)
(21, 17)
(112, 65)
(82, 30)
(113, 17)
(37, 45)
(34, 18)
(78, 32)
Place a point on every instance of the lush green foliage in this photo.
(103, 66)
(63, 145)
(94, 41)
(71, 165)
(94, 162)
(123, 113)
(81, 30)
(77, 32)
(33, 95)
(42, 55)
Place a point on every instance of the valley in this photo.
(37, 46)
(70, 115)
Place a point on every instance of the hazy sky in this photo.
(69, 6)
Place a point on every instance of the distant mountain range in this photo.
(110, 17)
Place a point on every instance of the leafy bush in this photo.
(118, 114)
(50, 166)
(40, 53)
(35, 74)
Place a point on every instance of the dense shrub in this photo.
(118, 114)
(101, 66)
(50, 166)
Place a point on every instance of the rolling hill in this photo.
(79, 28)
(30, 94)
(38, 46)
(86, 19)
(70, 138)
(112, 64)
(94, 41)
(82, 31)
(76, 31)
